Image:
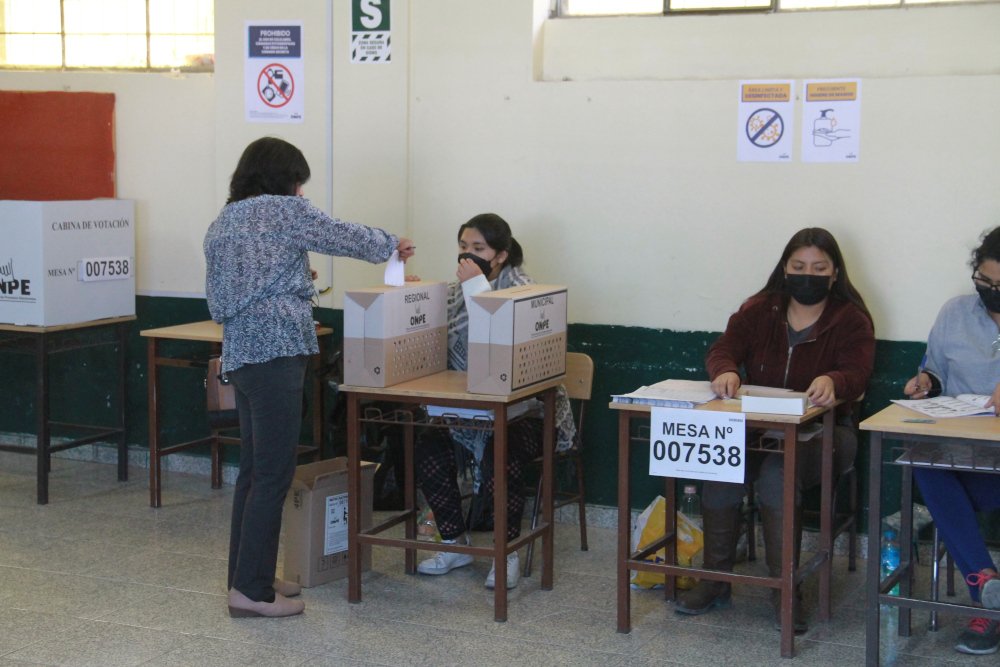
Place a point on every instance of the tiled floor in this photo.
(98, 578)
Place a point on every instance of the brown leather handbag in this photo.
(221, 397)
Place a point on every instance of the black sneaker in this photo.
(980, 638)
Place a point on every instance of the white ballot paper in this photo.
(395, 270)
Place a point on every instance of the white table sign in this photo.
(697, 444)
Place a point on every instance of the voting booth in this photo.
(63, 262)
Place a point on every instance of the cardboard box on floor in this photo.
(395, 334)
(315, 521)
(63, 262)
(517, 338)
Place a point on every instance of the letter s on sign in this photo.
(372, 14)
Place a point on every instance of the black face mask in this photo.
(807, 289)
(483, 264)
(990, 298)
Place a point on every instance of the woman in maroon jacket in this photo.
(807, 330)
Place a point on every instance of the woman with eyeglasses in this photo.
(963, 357)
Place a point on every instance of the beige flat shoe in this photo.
(240, 606)
(287, 588)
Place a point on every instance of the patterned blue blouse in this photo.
(258, 282)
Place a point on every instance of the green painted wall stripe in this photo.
(625, 357)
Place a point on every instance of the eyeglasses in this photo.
(982, 281)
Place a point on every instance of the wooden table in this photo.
(964, 432)
(790, 576)
(448, 389)
(206, 332)
(43, 342)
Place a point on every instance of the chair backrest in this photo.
(579, 375)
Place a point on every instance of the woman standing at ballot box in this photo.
(963, 357)
(259, 286)
(807, 330)
(490, 259)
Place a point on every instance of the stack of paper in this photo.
(963, 405)
(669, 394)
(773, 400)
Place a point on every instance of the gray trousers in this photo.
(767, 473)
(269, 401)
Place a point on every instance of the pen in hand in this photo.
(918, 390)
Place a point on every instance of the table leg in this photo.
(500, 513)
(353, 499)
(43, 463)
(670, 528)
(122, 412)
(873, 578)
(826, 516)
(548, 454)
(154, 423)
(409, 495)
(317, 402)
(788, 541)
(624, 523)
(905, 546)
(216, 445)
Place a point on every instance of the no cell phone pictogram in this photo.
(275, 85)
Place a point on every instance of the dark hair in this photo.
(496, 231)
(988, 249)
(268, 166)
(823, 240)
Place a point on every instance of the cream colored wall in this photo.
(617, 168)
(608, 144)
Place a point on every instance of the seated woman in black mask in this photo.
(808, 330)
(489, 259)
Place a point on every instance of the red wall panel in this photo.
(56, 145)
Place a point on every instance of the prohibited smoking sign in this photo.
(276, 85)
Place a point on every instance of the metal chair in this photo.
(579, 382)
(937, 550)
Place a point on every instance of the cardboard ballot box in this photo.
(395, 334)
(63, 262)
(517, 337)
(315, 521)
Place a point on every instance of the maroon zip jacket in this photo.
(842, 346)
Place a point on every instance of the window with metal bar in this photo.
(107, 34)
(569, 8)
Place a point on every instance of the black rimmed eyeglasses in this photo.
(982, 281)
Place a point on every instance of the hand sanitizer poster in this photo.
(831, 120)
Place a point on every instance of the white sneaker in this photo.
(444, 562)
(989, 596)
(513, 572)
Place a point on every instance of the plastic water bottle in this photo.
(689, 552)
(889, 614)
(691, 504)
(890, 556)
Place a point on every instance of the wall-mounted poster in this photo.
(831, 120)
(274, 72)
(764, 124)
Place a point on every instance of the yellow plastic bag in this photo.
(649, 527)
(690, 543)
